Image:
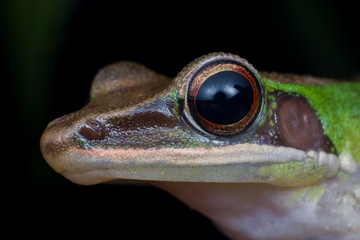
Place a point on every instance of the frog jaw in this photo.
(281, 166)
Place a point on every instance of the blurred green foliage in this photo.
(33, 32)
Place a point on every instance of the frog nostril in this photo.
(92, 130)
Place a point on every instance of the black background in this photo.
(52, 49)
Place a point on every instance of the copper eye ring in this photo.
(224, 97)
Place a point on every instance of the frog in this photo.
(263, 155)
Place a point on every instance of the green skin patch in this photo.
(338, 108)
(290, 173)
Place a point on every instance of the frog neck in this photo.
(264, 211)
(233, 207)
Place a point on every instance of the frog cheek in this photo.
(299, 126)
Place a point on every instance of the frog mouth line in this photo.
(196, 165)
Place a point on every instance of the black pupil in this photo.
(224, 98)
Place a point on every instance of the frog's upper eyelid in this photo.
(184, 76)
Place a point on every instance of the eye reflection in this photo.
(224, 98)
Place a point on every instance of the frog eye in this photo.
(224, 97)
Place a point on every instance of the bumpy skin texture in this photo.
(257, 184)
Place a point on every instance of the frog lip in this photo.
(184, 165)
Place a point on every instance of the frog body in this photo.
(269, 156)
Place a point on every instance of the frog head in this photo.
(218, 120)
